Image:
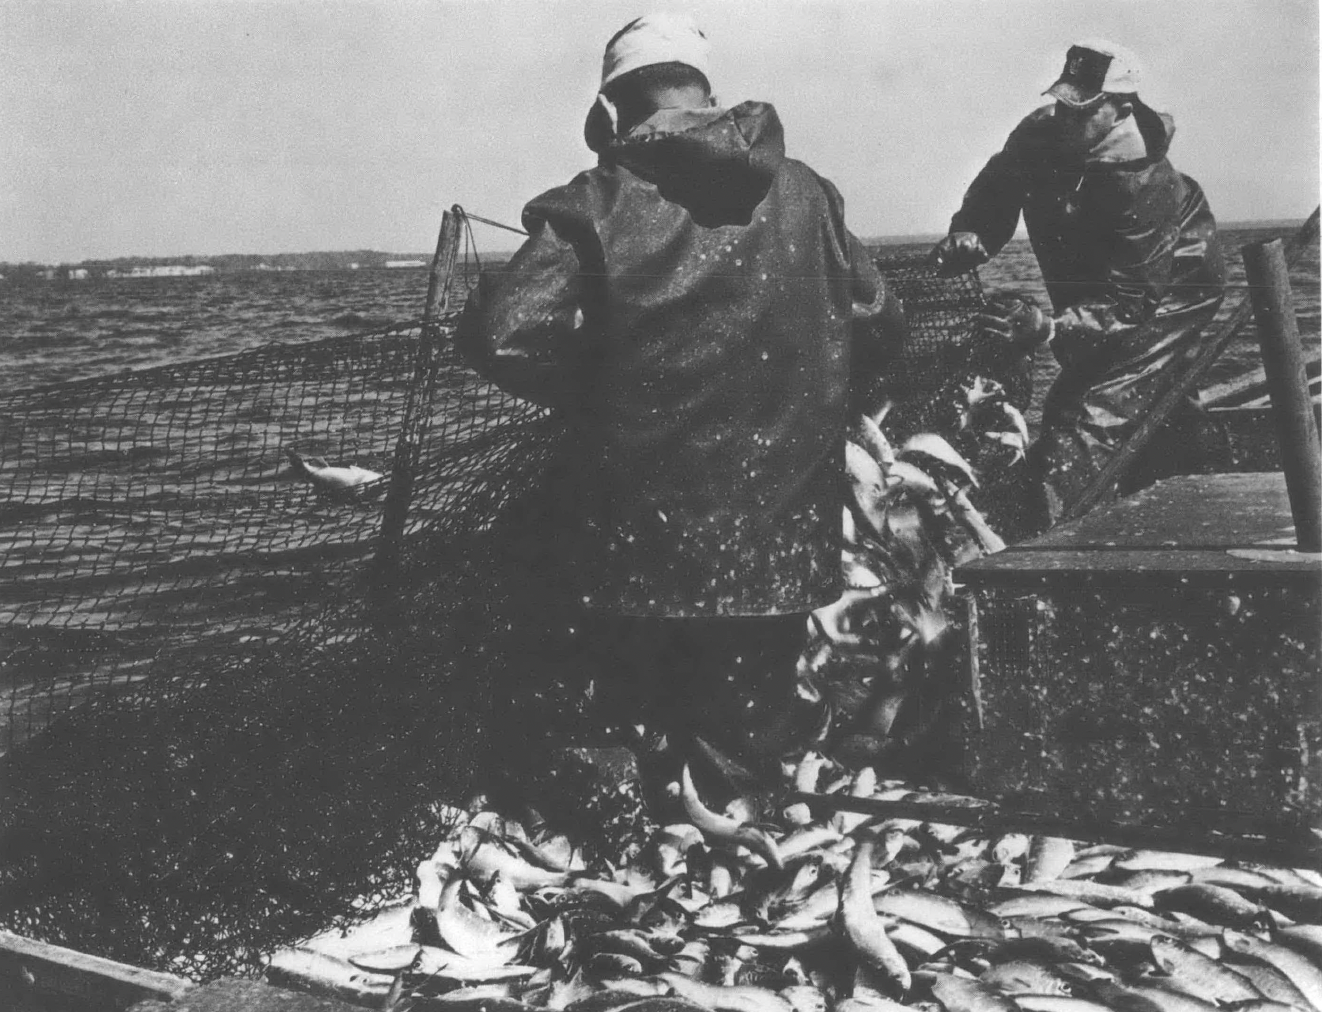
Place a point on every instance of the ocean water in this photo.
(51, 332)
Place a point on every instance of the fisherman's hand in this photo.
(958, 253)
(1015, 320)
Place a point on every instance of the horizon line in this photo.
(900, 238)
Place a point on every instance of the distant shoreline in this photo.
(232, 263)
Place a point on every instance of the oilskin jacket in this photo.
(688, 307)
(1120, 236)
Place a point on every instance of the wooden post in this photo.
(1104, 484)
(417, 407)
(1283, 362)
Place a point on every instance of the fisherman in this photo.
(692, 307)
(1128, 249)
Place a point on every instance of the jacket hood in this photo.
(716, 163)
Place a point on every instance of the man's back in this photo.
(710, 370)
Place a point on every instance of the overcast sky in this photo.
(217, 126)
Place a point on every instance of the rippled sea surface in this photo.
(63, 330)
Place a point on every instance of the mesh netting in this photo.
(232, 706)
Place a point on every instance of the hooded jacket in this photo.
(688, 306)
(1121, 237)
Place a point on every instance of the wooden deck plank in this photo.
(43, 976)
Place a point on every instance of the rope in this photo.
(467, 215)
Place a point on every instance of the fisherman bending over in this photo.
(689, 305)
(1127, 247)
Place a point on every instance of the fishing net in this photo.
(232, 704)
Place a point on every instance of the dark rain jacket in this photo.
(687, 305)
(1120, 237)
(1127, 248)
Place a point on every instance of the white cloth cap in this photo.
(655, 38)
(1094, 67)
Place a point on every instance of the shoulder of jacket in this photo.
(801, 174)
(582, 199)
(1036, 129)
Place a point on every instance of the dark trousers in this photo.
(728, 681)
(1104, 390)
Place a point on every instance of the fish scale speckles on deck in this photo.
(1130, 667)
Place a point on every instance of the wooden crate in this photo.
(1155, 663)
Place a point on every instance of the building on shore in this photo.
(163, 271)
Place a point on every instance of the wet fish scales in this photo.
(1210, 903)
(958, 994)
(1023, 976)
(1199, 974)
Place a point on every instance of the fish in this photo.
(1211, 903)
(1055, 950)
(959, 994)
(1263, 1005)
(864, 929)
(1038, 905)
(613, 964)
(868, 488)
(1095, 893)
(1058, 1003)
(1198, 974)
(914, 481)
(723, 831)
(929, 446)
(914, 942)
(1305, 939)
(1081, 867)
(1023, 976)
(487, 858)
(334, 480)
(787, 941)
(628, 942)
(1303, 973)
(1012, 441)
(868, 1003)
(669, 846)
(1165, 925)
(939, 915)
(1145, 997)
(1152, 880)
(1047, 857)
(804, 998)
(1038, 927)
(809, 838)
(466, 932)
(735, 998)
(1164, 860)
(862, 786)
(1009, 847)
(1302, 902)
(868, 435)
(1231, 878)
(1273, 984)
(1128, 936)
(809, 771)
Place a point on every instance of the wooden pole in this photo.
(417, 408)
(1104, 484)
(1287, 381)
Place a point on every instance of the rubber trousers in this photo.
(1106, 387)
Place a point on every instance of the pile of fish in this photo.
(844, 913)
(730, 910)
(908, 521)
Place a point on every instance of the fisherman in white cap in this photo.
(694, 307)
(1128, 250)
